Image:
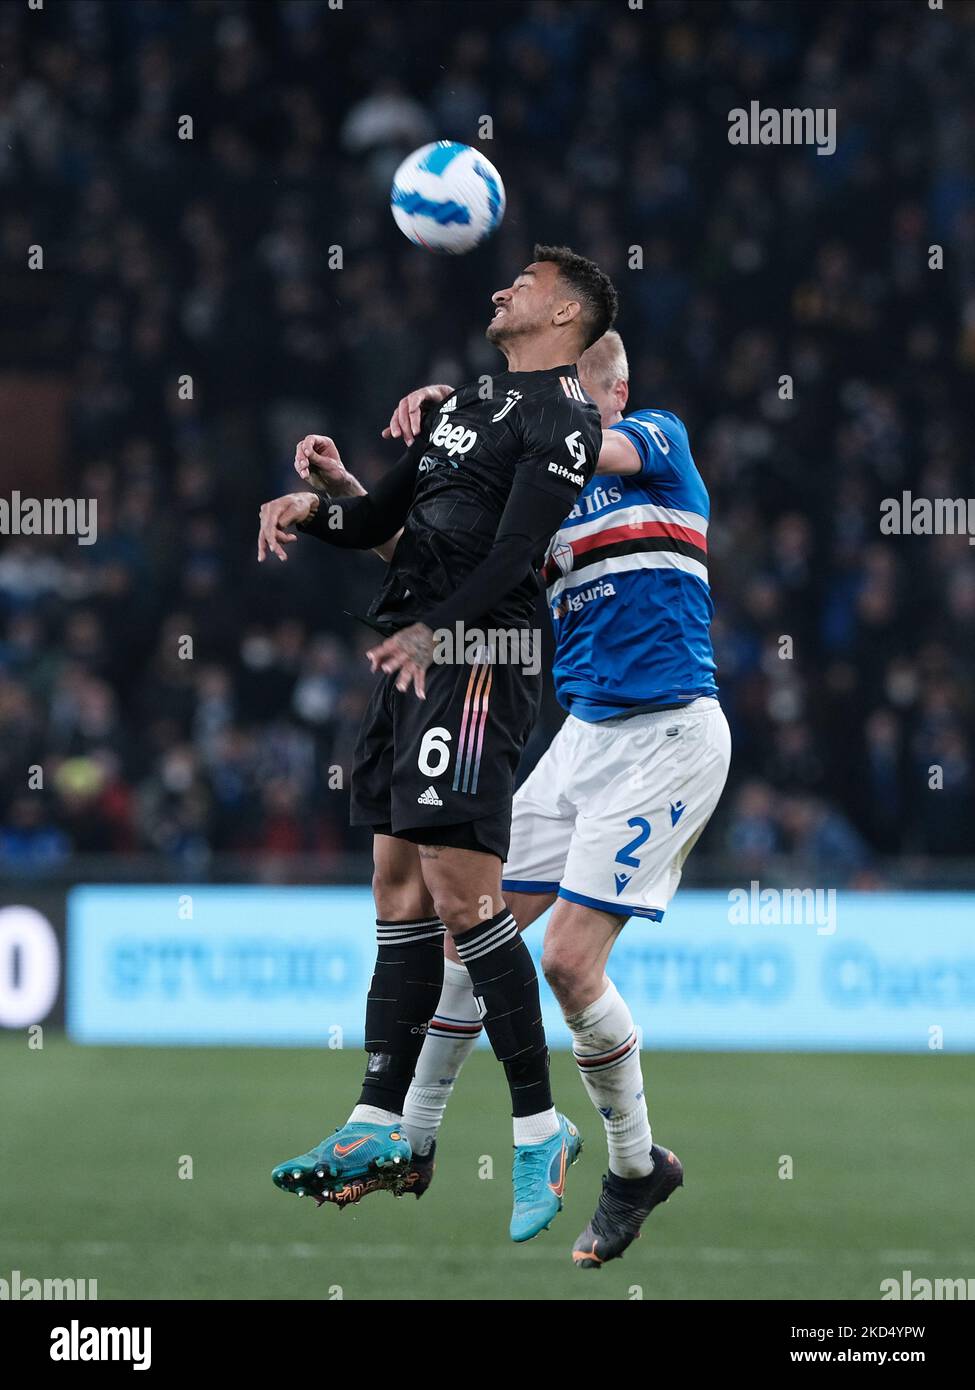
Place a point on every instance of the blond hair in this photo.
(605, 362)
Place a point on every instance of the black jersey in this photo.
(538, 427)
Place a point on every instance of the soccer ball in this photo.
(447, 197)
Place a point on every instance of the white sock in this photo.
(373, 1115)
(533, 1129)
(452, 1034)
(604, 1045)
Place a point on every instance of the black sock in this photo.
(503, 975)
(402, 999)
(636, 1185)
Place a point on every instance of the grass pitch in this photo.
(93, 1140)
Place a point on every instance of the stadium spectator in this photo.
(194, 323)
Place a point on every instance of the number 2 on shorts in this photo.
(626, 855)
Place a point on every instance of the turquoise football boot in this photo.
(538, 1174)
(416, 1176)
(359, 1157)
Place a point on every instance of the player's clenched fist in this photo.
(405, 421)
(277, 516)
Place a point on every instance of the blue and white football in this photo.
(447, 197)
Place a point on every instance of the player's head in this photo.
(604, 374)
(560, 296)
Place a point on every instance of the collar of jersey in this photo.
(568, 370)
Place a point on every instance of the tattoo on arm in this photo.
(415, 644)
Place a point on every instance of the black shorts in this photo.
(442, 770)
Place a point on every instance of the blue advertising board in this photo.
(280, 966)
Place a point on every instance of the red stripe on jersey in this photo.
(612, 534)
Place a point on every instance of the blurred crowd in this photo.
(214, 289)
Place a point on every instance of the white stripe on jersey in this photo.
(632, 516)
(619, 564)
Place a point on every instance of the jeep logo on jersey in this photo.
(453, 439)
(575, 446)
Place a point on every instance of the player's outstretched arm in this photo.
(317, 461)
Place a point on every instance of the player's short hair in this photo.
(604, 362)
(595, 290)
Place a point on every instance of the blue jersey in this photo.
(627, 581)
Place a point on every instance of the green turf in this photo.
(91, 1140)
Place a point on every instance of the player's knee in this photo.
(454, 909)
(399, 896)
(555, 968)
(567, 972)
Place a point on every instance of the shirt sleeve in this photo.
(561, 442)
(657, 437)
(359, 523)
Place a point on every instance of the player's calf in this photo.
(464, 885)
(604, 1038)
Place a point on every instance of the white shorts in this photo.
(612, 810)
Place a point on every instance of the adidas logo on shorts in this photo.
(429, 798)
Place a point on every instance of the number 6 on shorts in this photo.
(434, 754)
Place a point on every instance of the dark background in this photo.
(209, 257)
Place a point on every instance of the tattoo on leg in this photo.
(430, 851)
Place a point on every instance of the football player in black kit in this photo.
(478, 497)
